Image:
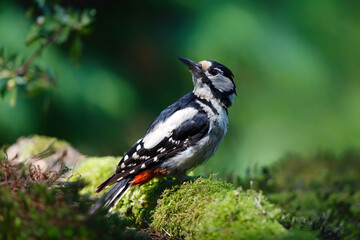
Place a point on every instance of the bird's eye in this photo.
(213, 71)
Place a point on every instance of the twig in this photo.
(23, 69)
(167, 232)
(258, 204)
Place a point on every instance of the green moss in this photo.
(315, 194)
(42, 213)
(172, 212)
(162, 203)
(137, 203)
(214, 209)
(200, 209)
(240, 215)
(30, 208)
(140, 201)
(319, 193)
(180, 208)
(95, 170)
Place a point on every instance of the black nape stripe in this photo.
(208, 103)
(222, 96)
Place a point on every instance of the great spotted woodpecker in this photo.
(183, 136)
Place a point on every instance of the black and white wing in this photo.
(165, 138)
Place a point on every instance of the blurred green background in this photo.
(296, 66)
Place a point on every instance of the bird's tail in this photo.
(112, 197)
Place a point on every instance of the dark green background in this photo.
(296, 66)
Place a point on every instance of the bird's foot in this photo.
(187, 178)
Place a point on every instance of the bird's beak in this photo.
(194, 67)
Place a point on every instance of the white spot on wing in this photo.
(135, 155)
(123, 165)
(174, 141)
(144, 157)
(132, 171)
(138, 147)
(143, 166)
(156, 159)
(160, 150)
(126, 157)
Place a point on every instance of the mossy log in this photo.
(205, 208)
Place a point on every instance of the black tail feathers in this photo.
(111, 197)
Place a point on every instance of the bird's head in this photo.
(212, 80)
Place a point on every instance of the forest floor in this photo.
(47, 187)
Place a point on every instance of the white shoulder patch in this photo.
(164, 129)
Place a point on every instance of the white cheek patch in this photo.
(222, 83)
(165, 128)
